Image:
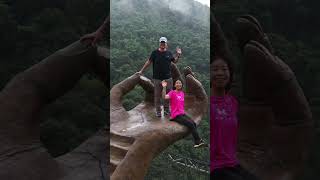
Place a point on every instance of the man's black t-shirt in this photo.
(161, 62)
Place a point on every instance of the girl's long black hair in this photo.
(174, 82)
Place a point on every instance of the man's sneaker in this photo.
(158, 114)
(199, 144)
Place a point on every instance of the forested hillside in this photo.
(31, 31)
(136, 26)
(293, 28)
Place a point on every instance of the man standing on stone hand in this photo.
(161, 59)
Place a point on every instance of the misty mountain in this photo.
(182, 10)
(137, 25)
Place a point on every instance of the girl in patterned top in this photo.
(178, 115)
(224, 125)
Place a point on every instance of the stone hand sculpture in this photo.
(22, 156)
(137, 136)
(276, 124)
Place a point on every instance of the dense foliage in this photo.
(31, 31)
(136, 26)
(293, 27)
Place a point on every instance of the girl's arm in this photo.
(164, 94)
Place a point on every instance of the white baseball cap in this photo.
(163, 39)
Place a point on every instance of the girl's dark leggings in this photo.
(187, 121)
(232, 173)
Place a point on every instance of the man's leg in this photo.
(157, 96)
(166, 102)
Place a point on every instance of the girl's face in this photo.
(221, 74)
(178, 85)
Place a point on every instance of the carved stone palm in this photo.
(276, 124)
(137, 136)
(22, 155)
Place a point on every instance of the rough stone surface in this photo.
(276, 126)
(22, 156)
(137, 136)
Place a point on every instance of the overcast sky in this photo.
(206, 2)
